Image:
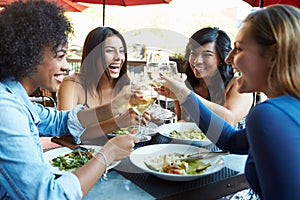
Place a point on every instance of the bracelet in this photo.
(106, 163)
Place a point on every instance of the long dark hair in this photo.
(93, 55)
(223, 46)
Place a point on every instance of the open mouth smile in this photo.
(114, 66)
(59, 77)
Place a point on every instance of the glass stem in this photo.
(140, 125)
(166, 103)
(159, 101)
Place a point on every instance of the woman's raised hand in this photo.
(174, 88)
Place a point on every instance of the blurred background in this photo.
(166, 27)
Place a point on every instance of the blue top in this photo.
(271, 139)
(23, 172)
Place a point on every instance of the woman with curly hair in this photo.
(33, 49)
(212, 78)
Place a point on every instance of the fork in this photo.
(200, 155)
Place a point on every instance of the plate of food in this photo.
(121, 131)
(172, 161)
(184, 132)
(64, 159)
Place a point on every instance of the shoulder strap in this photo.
(85, 90)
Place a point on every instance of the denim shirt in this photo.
(23, 172)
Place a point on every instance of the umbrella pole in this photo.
(261, 3)
(103, 17)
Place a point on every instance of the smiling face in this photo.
(50, 73)
(247, 58)
(204, 60)
(114, 55)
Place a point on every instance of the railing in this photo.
(136, 63)
(44, 97)
(75, 65)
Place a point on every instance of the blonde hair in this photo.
(279, 25)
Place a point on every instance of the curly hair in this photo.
(223, 47)
(26, 29)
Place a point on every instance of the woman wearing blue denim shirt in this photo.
(33, 46)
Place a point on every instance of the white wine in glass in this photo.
(141, 102)
(143, 96)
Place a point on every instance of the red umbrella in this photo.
(71, 6)
(122, 3)
(68, 5)
(262, 3)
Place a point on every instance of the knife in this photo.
(68, 144)
(206, 154)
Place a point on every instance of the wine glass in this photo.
(173, 70)
(142, 97)
(153, 70)
(168, 69)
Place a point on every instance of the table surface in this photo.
(136, 184)
(126, 181)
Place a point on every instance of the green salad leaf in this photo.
(73, 160)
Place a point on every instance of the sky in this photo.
(165, 25)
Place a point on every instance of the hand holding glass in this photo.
(142, 97)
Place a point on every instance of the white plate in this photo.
(49, 155)
(166, 129)
(140, 155)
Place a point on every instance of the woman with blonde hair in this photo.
(266, 53)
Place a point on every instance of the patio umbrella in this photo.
(122, 3)
(262, 3)
(71, 6)
(68, 5)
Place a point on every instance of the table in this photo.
(128, 182)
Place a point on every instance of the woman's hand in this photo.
(130, 117)
(119, 104)
(174, 88)
(163, 90)
(146, 118)
(119, 147)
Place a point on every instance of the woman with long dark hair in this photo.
(103, 73)
(210, 77)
